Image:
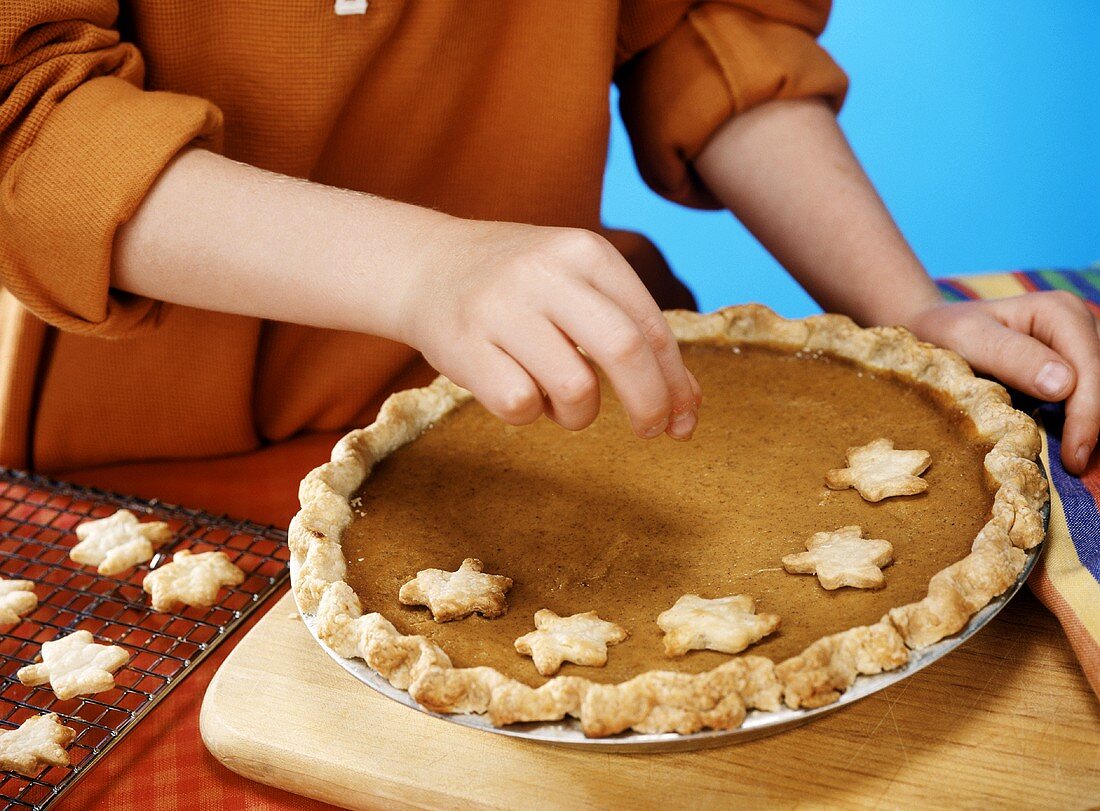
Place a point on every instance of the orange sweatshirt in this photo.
(481, 108)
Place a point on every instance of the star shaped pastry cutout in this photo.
(879, 471)
(75, 665)
(454, 595)
(580, 638)
(843, 558)
(39, 741)
(190, 579)
(724, 624)
(117, 542)
(17, 598)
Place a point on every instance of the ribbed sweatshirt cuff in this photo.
(718, 62)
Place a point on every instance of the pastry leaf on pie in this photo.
(725, 624)
(843, 558)
(580, 638)
(879, 471)
(454, 595)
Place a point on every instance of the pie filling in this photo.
(598, 520)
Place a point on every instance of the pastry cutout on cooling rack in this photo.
(17, 598)
(118, 542)
(191, 579)
(39, 741)
(75, 665)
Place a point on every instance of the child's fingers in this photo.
(1082, 422)
(1044, 344)
(1064, 323)
(615, 342)
(1071, 329)
(498, 382)
(627, 290)
(1017, 359)
(551, 359)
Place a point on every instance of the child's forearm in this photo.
(498, 307)
(219, 235)
(786, 170)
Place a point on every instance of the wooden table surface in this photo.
(1006, 720)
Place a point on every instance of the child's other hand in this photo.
(500, 308)
(1044, 344)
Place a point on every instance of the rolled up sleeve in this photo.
(81, 143)
(679, 85)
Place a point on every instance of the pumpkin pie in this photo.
(599, 521)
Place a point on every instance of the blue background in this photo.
(979, 122)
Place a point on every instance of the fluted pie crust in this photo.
(665, 701)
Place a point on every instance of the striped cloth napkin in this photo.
(1067, 577)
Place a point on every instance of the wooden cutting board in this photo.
(1007, 719)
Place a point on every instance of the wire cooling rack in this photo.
(37, 519)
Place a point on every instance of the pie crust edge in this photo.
(663, 701)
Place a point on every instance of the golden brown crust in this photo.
(660, 701)
(514, 702)
(960, 590)
(828, 667)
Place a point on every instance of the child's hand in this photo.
(1044, 344)
(786, 170)
(502, 308)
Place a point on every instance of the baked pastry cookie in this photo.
(725, 624)
(75, 665)
(877, 470)
(17, 598)
(458, 594)
(598, 520)
(190, 579)
(118, 542)
(581, 639)
(39, 741)
(843, 557)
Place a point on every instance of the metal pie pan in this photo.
(757, 724)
